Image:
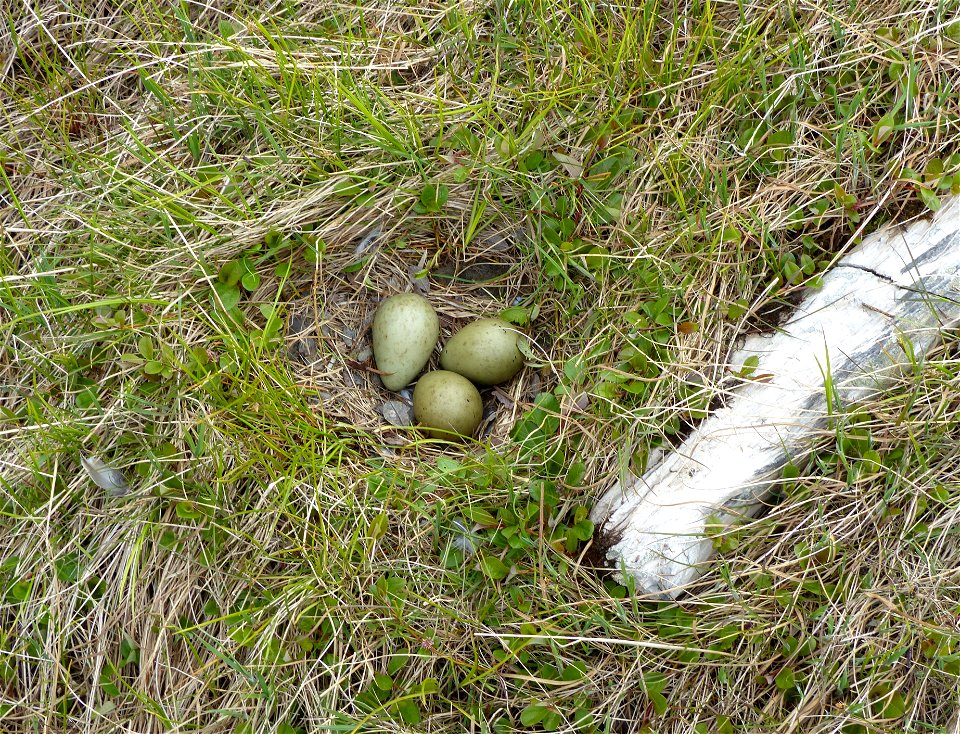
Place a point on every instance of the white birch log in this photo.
(880, 307)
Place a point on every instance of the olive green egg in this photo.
(445, 404)
(484, 351)
(405, 332)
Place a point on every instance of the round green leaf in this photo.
(228, 294)
(250, 281)
(494, 568)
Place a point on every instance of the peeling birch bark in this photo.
(880, 307)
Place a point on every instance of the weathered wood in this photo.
(880, 307)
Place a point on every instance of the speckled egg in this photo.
(447, 405)
(484, 351)
(405, 332)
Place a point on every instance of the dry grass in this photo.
(286, 561)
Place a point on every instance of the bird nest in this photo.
(328, 324)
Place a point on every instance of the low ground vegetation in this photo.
(201, 205)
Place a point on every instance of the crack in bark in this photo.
(874, 273)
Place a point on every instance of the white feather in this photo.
(105, 476)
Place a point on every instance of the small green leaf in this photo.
(145, 347)
(737, 309)
(895, 706)
(494, 568)
(433, 197)
(108, 676)
(200, 357)
(660, 703)
(68, 568)
(872, 460)
(379, 526)
(409, 712)
(228, 294)
(250, 281)
(20, 590)
(595, 258)
(357, 266)
(526, 350)
(731, 235)
(271, 239)
(86, 398)
(791, 471)
(750, 365)
(129, 652)
(189, 511)
(314, 251)
(785, 680)
(396, 663)
(791, 272)
(653, 682)
(883, 129)
(479, 516)
(575, 474)
(933, 170)
(574, 671)
(930, 199)
(572, 165)
(778, 143)
(552, 720)
(533, 714)
(940, 493)
(153, 367)
(582, 530)
(193, 144)
(231, 272)
(532, 161)
(516, 315)
(544, 493)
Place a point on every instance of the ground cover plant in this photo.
(201, 204)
